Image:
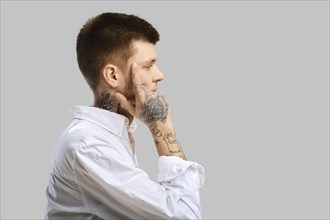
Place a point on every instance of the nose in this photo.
(158, 76)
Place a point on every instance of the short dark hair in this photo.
(108, 37)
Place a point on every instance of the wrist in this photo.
(158, 129)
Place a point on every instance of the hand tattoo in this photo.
(155, 131)
(155, 108)
(106, 102)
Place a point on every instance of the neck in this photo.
(106, 101)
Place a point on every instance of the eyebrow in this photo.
(151, 61)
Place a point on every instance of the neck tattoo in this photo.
(106, 102)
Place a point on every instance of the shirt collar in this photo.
(112, 122)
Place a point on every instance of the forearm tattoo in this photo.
(155, 131)
(172, 143)
(155, 108)
(106, 102)
(174, 146)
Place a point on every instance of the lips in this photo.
(155, 90)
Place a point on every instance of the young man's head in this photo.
(109, 44)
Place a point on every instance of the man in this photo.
(94, 172)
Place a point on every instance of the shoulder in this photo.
(82, 134)
(83, 139)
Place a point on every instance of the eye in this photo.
(148, 67)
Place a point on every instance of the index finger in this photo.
(137, 83)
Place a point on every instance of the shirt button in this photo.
(126, 121)
(119, 133)
(194, 170)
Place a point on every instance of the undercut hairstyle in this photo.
(109, 37)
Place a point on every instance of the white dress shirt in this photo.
(95, 175)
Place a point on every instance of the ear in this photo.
(110, 75)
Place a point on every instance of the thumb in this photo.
(124, 103)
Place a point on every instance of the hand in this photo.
(150, 107)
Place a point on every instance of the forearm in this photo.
(165, 139)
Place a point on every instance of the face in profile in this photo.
(145, 56)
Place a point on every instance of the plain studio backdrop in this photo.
(247, 82)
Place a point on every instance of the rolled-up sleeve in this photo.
(184, 178)
(125, 191)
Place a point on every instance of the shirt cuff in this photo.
(170, 167)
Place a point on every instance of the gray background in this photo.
(248, 83)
